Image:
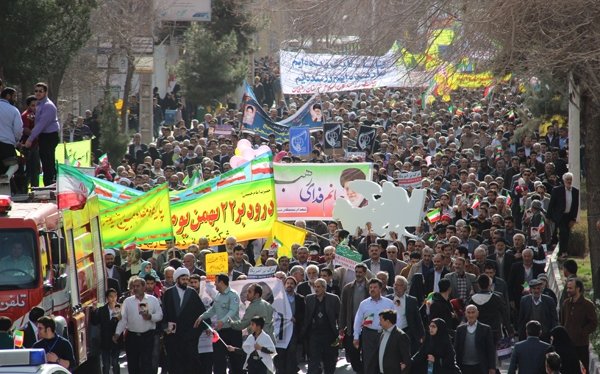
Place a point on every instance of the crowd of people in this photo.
(473, 281)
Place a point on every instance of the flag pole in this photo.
(213, 331)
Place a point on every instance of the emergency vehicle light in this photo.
(22, 357)
(5, 203)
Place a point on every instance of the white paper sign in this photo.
(259, 272)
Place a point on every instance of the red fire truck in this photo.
(52, 259)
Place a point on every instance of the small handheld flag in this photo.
(18, 338)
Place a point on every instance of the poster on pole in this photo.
(308, 191)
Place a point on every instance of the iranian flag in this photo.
(434, 215)
(488, 90)
(103, 160)
(73, 188)
(476, 202)
(542, 226)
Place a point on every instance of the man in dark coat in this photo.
(529, 355)
(539, 307)
(107, 317)
(322, 311)
(562, 210)
(181, 308)
(492, 309)
(376, 263)
(521, 272)
(474, 345)
(393, 355)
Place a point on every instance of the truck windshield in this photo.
(18, 259)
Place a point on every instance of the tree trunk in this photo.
(591, 121)
(126, 89)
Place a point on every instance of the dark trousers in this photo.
(32, 167)
(564, 232)
(256, 366)
(205, 363)
(321, 351)
(138, 348)
(583, 354)
(221, 354)
(48, 143)
(181, 354)
(353, 354)
(110, 358)
(370, 344)
(471, 369)
(286, 361)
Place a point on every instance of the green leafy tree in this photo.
(113, 145)
(230, 16)
(39, 38)
(210, 68)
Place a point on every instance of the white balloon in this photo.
(262, 149)
(244, 144)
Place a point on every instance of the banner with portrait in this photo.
(309, 115)
(308, 191)
(256, 121)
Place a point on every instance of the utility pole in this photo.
(574, 131)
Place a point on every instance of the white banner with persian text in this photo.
(308, 73)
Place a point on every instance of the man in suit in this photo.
(239, 263)
(322, 311)
(498, 285)
(286, 359)
(307, 287)
(474, 345)
(137, 150)
(463, 284)
(504, 259)
(353, 294)
(521, 272)
(189, 262)
(376, 263)
(529, 355)
(393, 353)
(438, 272)
(181, 308)
(108, 316)
(539, 307)
(31, 328)
(563, 210)
(114, 272)
(302, 258)
(408, 318)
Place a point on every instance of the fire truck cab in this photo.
(52, 259)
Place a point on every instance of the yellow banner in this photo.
(77, 154)
(143, 219)
(283, 236)
(246, 211)
(217, 263)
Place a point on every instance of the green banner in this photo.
(143, 219)
(346, 257)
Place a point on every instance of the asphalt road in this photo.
(342, 365)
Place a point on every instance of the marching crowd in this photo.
(500, 197)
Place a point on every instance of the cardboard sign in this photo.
(217, 263)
